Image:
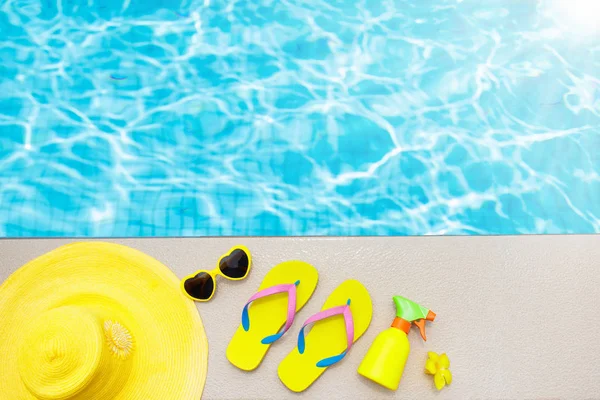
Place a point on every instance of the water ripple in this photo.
(311, 117)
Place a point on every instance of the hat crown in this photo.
(68, 353)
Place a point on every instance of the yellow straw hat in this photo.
(99, 321)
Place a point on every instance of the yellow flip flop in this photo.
(284, 291)
(344, 318)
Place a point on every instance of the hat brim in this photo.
(171, 348)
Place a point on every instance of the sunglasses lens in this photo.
(235, 265)
(200, 287)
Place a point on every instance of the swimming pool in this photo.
(304, 117)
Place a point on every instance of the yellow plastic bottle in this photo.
(384, 362)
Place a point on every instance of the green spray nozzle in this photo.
(409, 312)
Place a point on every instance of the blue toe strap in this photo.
(326, 362)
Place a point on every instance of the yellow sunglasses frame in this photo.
(217, 271)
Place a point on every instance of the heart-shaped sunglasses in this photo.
(235, 265)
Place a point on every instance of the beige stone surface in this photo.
(519, 316)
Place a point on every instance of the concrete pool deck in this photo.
(517, 315)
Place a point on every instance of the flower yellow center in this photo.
(118, 338)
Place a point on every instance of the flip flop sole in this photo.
(327, 337)
(268, 314)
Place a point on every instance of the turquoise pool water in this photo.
(304, 117)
